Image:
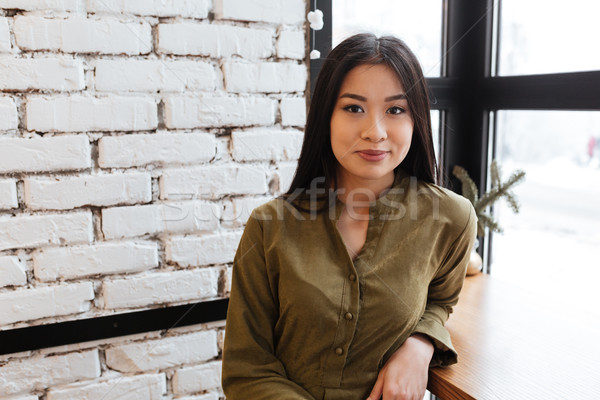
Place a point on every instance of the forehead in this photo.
(372, 78)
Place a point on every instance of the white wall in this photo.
(135, 138)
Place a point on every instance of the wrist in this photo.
(422, 344)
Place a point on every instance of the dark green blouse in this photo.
(306, 321)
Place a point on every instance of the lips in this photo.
(373, 155)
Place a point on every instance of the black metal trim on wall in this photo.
(85, 330)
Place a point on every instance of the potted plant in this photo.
(482, 203)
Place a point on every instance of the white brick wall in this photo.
(8, 194)
(198, 378)
(135, 139)
(163, 148)
(293, 111)
(264, 77)
(9, 119)
(41, 74)
(162, 8)
(63, 193)
(12, 271)
(163, 353)
(37, 373)
(85, 113)
(27, 231)
(4, 35)
(70, 152)
(161, 287)
(213, 181)
(178, 217)
(203, 250)
(154, 75)
(56, 5)
(218, 41)
(77, 34)
(278, 11)
(103, 258)
(266, 144)
(291, 44)
(140, 387)
(211, 111)
(46, 301)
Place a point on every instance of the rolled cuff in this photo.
(444, 353)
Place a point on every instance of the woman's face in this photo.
(371, 126)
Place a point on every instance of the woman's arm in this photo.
(250, 368)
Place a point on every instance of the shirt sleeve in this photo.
(250, 368)
(443, 294)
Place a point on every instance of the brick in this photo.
(8, 194)
(115, 113)
(12, 271)
(26, 231)
(4, 36)
(50, 264)
(69, 152)
(67, 192)
(291, 44)
(208, 249)
(276, 11)
(285, 172)
(210, 111)
(41, 74)
(268, 77)
(163, 353)
(9, 119)
(140, 387)
(46, 301)
(238, 210)
(159, 8)
(159, 148)
(38, 373)
(217, 41)
(213, 181)
(78, 34)
(205, 396)
(154, 75)
(197, 378)
(54, 5)
(266, 144)
(161, 288)
(179, 217)
(227, 280)
(293, 111)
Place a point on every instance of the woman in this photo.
(342, 286)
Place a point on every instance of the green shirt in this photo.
(305, 321)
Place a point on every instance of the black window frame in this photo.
(469, 92)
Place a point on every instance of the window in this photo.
(519, 83)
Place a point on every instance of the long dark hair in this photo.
(316, 157)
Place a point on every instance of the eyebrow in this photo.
(400, 96)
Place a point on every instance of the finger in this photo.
(377, 389)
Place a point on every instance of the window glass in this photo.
(418, 23)
(553, 244)
(538, 38)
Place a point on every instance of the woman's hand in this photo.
(404, 375)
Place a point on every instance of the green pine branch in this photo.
(498, 190)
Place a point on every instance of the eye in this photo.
(395, 110)
(353, 108)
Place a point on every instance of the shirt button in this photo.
(352, 277)
(339, 351)
(348, 316)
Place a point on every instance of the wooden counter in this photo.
(515, 345)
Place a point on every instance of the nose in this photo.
(374, 130)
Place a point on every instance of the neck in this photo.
(357, 193)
